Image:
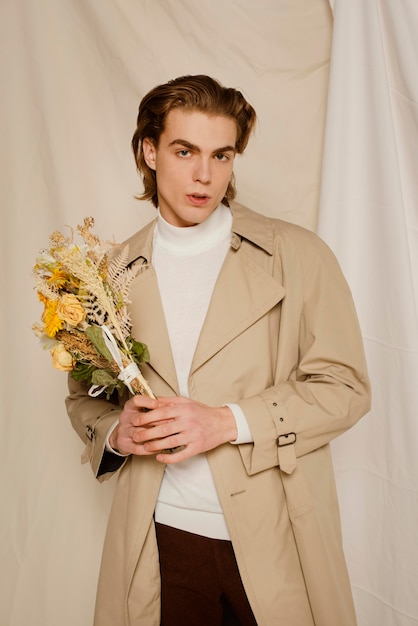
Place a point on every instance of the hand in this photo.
(149, 426)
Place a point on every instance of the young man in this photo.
(225, 510)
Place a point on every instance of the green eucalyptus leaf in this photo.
(95, 334)
(140, 352)
(83, 371)
(104, 378)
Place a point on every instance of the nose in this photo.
(203, 173)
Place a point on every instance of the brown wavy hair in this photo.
(192, 93)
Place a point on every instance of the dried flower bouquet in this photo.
(85, 322)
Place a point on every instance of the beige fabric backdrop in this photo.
(72, 74)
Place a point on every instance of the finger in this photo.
(144, 450)
(131, 417)
(174, 400)
(174, 455)
(128, 446)
(162, 431)
(160, 415)
(143, 402)
(135, 408)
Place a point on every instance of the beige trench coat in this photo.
(281, 338)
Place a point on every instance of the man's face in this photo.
(193, 163)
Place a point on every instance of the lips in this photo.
(198, 199)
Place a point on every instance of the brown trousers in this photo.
(200, 581)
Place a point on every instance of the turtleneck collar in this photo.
(194, 239)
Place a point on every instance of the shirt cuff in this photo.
(244, 433)
(107, 444)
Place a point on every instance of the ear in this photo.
(150, 152)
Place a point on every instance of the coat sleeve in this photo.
(323, 388)
(92, 418)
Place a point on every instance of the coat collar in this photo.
(252, 226)
(246, 224)
(243, 293)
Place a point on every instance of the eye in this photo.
(222, 157)
(184, 153)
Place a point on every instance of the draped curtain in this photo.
(341, 86)
(369, 215)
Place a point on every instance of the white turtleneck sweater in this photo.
(187, 262)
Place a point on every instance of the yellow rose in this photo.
(61, 358)
(70, 309)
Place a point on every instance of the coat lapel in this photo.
(146, 310)
(244, 292)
